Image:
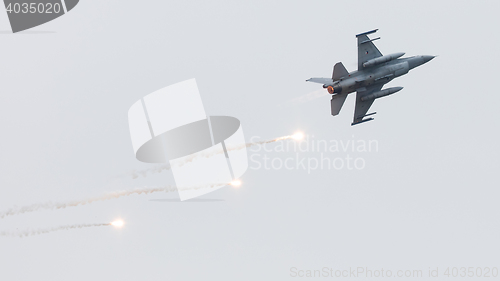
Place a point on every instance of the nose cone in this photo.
(427, 58)
(419, 60)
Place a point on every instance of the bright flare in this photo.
(118, 223)
(298, 136)
(236, 183)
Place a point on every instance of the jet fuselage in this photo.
(377, 74)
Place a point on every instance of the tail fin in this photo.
(339, 71)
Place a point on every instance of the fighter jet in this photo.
(374, 70)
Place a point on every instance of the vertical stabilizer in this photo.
(339, 71)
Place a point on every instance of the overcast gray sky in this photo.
(426, 197)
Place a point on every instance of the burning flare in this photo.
(298, 136)
(236, 183)
(118, 223)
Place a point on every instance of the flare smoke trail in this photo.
(32, 232)
(183, 161)
(113, 195)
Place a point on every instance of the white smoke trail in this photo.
(305, 98)
(165, 167)
(144, 173)
(113, 195)
(32, 232)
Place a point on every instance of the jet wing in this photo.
(363, 106)
(320, 80)
(366, 48)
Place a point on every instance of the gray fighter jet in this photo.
(374, 70)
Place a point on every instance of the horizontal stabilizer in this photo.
(320, 80)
